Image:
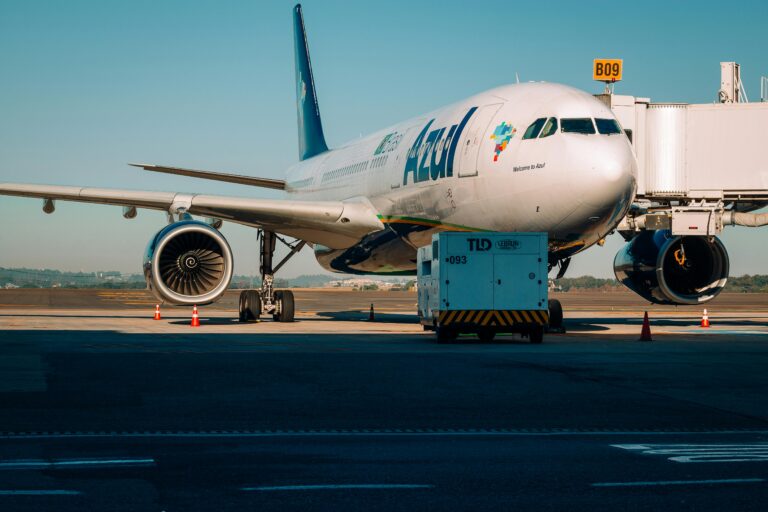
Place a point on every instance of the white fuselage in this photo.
(467, 167)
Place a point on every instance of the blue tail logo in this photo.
(311, 138)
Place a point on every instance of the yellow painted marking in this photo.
(517, 316)
(459, 316)
(525, 316)
(508, 317)
(535, 316)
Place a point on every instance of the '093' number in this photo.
(456, 260)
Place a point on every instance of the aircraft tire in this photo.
(242, 314)
(287, 306)
(252, 304)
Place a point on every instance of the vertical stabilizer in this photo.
(311, 138)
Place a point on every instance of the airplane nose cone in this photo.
(605, 173)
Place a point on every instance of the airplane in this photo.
(521, 157)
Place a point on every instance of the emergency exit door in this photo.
(475, 135)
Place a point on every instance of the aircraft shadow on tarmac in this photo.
(359, 316)
(665, 322)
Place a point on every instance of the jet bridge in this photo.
(700, 166)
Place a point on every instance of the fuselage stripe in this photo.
(400, 219)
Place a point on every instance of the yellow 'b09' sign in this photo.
(607, 70)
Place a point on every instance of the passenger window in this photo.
(533, 131)
(581, 125)
(607, 126)
(550, 128)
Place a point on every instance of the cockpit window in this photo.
(577, 125)
(533, 131)
(550, 128)
(607, 126)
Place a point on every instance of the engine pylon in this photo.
(705, 319)
(195, 318)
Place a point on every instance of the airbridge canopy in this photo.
(697, 151)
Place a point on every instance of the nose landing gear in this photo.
(278, 303)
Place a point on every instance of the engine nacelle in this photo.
(667, 269)
(188, 263)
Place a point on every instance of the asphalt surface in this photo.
(103, 408)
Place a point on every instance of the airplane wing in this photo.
(334, 224)
(215, 176)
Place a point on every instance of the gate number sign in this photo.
(607, 70)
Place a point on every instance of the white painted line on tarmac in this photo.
(38, 492)
(331, 487)
(680, 482)
(699, 453)
(67, 464)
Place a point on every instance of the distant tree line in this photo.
(46, 278)
(742, 284)
(587, 283)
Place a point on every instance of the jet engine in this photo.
(188, 263)
(668, 269)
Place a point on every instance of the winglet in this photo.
(311, 138)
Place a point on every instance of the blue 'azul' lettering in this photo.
(432, 156)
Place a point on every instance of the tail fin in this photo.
(311, 138)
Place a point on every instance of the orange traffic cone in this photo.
(370, 314)
(645, 333)
(705, 319)
(157, 312)
(195, 318)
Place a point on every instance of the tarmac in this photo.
(102, 407)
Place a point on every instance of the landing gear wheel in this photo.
(486, 335)
(252, 305)
(285, 304)
(446, 334)
(242, 315)
(536, 335)
(555, 316)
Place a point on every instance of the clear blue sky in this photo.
(86, 86)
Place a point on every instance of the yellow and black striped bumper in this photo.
(501, 318)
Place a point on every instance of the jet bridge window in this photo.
(533, 131)
(550, 128)
(607, 126)
(577, 125)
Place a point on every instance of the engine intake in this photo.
(667, 269)
(188, 263)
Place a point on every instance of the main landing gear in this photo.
(267, 301)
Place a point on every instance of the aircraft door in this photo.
(474, 138)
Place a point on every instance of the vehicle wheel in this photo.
(252, 304)
(486, 335)
(555, 314)
(536, 335)
(242, 314)
(287, 306)
(446, 334)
